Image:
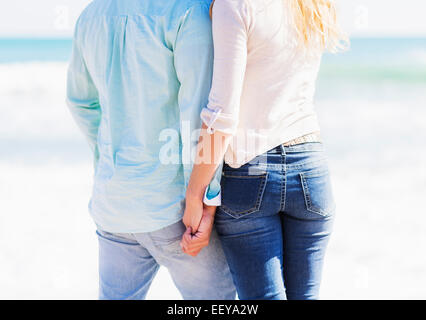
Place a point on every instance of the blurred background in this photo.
(371, 101)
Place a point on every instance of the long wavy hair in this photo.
(317, 25)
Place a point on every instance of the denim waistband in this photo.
(308, 146)
(296, 156)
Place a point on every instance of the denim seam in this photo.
(244, 177)
(304, 164)
(257, 204)
(165, 241)
(117, 240)
(283, 183)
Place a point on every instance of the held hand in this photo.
(193, 214)
(192, 243)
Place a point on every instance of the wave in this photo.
(418, 56)
(32, 101)
(32, 95)
(375, 73)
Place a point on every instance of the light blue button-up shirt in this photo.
(139, 76)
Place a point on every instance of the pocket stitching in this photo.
(258, 202)
(165, 241)
(117, 240)
(167, 244)
(244, 177)
(307, 194)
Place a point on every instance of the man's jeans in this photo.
(275, 222)
(129, 262)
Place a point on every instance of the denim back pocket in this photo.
(318, 192)
(242, 193)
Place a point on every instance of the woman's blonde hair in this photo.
(317, 26)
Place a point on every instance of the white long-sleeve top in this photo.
(263, 81)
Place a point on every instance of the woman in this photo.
(277, 205)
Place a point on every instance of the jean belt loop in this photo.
(282, 149)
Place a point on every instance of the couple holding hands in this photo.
(206, 109)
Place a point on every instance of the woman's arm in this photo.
(230, 35)
(210, 153)
(198, 217)
(231, 24)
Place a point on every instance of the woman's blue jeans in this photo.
(275, 222)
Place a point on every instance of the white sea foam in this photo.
(418, 56)
(48, 246)
(32, 101)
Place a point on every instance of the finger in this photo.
(186, 245)
(186, 239)
(194, 253)
(195, 225)
(187, 235)
(184, 242)
(196, 244)
(192, 250)
(187, 232)
(202, 237)
(190, 246)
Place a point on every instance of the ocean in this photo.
(371, 103)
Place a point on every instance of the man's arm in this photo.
(82, 97)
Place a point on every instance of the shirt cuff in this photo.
(213, 195)
(217, 120)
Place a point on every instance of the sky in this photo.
(367, 18)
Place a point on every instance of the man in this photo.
(140, 70)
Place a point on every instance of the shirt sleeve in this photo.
(82, 97)
(230, 34)
(193, 57)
